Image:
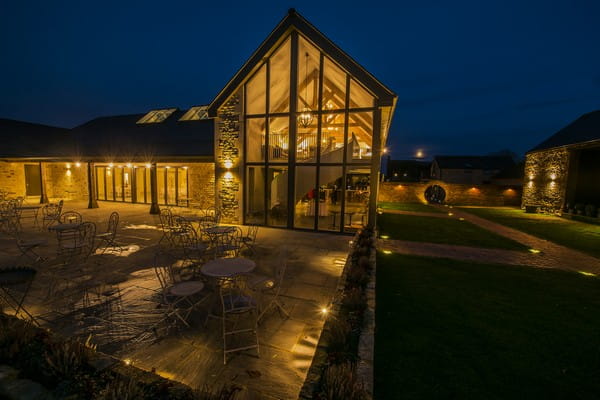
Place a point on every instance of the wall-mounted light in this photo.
(185, 167)
(148, 166)
(530, 177)
(228, 164)
(553, 176)
(110, 165)
(167, 166)
(68, 172)
(128, 165)
(228, 175)
(68, 165)
(384, 150)
(78, 164)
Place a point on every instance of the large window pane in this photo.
(357, 198)
(171, 186)
(277, 179)
(279, 75)
(306, 143)
(332, 138)
(360, 137)
(100, 183)
(330, 198)
(279, 138)
(256, 89)
(255, 195)
(140, 185)
(118, 175)
(110, 193)
(359, 97)
(308, 75)
(161, 183)
(334, 86)
(182, 186)
(255, 139)
(305, 196)
(127, 183)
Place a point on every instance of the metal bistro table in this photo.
(32, 209)
(227, 267)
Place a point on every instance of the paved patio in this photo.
(192, 355)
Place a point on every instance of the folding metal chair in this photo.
(250, 238)
(14, 287)
(108, 238)
(270, 285)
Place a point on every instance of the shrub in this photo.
(67, 358)
(357, 277)
(122, 389)
(340, 382)
(590, 210)
(354, 300)
(339, 345)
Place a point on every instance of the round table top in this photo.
(220, 229)
(187, 288)
(227, 267)
(63, 227)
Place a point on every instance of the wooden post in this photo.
(154, 208)
(92, 201)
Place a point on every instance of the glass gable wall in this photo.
(326, 119)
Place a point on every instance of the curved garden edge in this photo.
(364, 364)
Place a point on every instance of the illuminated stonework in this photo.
(546, 179)
(227, 156)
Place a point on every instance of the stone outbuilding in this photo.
(563, 171)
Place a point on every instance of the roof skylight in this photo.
(155, 116)
(195, 113)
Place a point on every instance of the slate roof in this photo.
(122, 137)
(28, 140)
(474, 162)
(584, 129)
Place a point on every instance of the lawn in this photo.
(454, 329)
(573, 234)
(416, 207)
(441, 230)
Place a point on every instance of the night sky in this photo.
(471, 77)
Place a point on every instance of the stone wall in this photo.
(12, 178)
(228, 163)
(201, 183)
(65, 181)
(546, 179)
(459, 194)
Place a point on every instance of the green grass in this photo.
(573, 234)
(441, 230)
(458, 330)
(416, 207)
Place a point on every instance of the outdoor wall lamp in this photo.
(228, 164)
(78, 164)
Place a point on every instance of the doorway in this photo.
(33, 180)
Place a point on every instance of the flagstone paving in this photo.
(550, 255)
(194, 355)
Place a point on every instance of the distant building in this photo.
(474, 170)
(564, 170)
(407, 170)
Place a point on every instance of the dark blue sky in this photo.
(471, 77)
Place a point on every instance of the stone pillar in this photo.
(92, 201)
(154, 208)
(44, 194)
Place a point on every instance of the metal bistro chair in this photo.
(107, 238)
(270, 285)
(228, 245)
(9, 220)
(14, 287)
(250, 238)
(168, 226)
(77, 242)
(70, 217)
(51, 214)
(235, 303)
(180, 298)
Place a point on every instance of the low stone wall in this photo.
(459, 194)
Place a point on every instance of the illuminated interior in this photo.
(195, 113)
(155, 116)
(332, 153)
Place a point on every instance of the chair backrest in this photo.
(281, 266)
(252, 232)
(71, 217)
(234, 298)
(60, 206)
(87, 232)
(229, 244)
(113, 223)
(166, 217)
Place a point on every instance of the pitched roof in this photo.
(584, 129)
(29, 140)
(293, 20)
(474, 162)
(122, 137)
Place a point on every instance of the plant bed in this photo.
(342, 365)
(66, 368)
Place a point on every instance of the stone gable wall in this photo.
(546, 179)
(201, 183)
